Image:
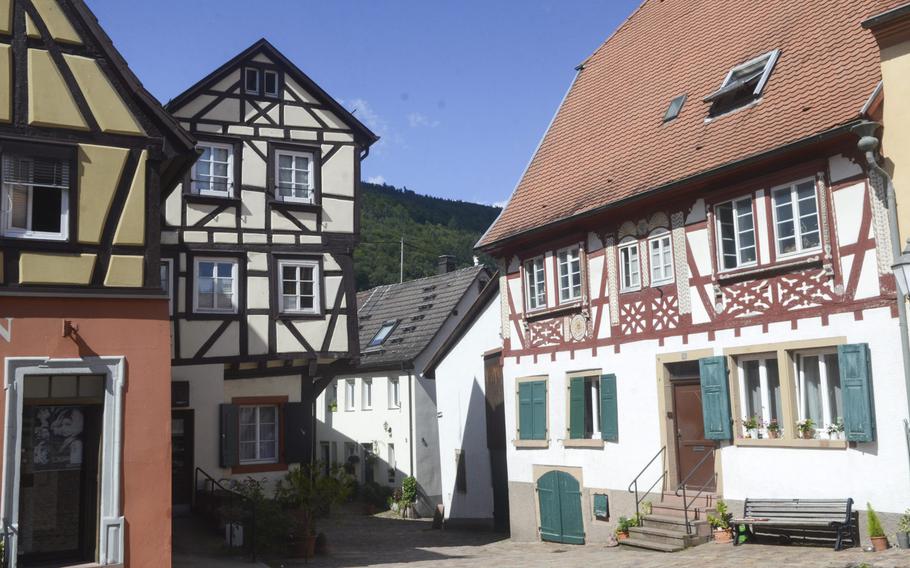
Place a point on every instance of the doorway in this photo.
(182, 459)
(496, 440)
(561, 520)
(689, 426)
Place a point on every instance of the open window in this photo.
(35, 197)
(535, 284)
(735, 233)
(629, 266)
(743, 84)
(660, 250)
(568, 261)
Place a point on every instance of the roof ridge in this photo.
(613, 34)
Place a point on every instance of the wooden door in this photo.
(182, 457)
(691, 444)
(496, 440)
(559, 496)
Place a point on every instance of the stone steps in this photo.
(664, 529)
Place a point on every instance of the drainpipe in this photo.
(868, 144)
(413, 459)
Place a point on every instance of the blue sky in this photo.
(460, 91)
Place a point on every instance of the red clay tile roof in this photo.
(607, 141)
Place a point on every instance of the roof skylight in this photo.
(674, 108)
(743, 84)
(383, 333)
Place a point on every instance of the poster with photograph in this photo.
(57, 438)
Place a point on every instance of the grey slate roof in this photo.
(421, 307)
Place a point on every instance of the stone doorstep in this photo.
(701, 527)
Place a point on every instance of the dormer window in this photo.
(251, 81)
(384, 332)
(743, 84)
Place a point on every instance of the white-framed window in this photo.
(294, 176)
(213, 173)
(251, 81)
(35, 198)
(735, 233)
(366, 400)
(270, 83)
(818, 388)
(331, 397)
(394, 393)
(384, 331)
(349, 391)
(535, 283)
(743, 83)
(660, 248)
(259, 434)
(796, 227)
(299, 284)
(165, 272)
(760, 389)
(215, 289)
(589, 411)
(629, 266)
(568, 262)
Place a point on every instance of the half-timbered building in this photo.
(86, 155)
(257, 244)
(696, 279)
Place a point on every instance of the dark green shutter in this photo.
(573, 528)
(539, 403)
(297, 424)
(525, 411)
(715, 398)
(230, 423)
(609, 412)
(576, 408)
(856, 388)
(548, 497)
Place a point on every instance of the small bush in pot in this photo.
(723, 532)
(774, 428)
(876, 532)
(623, 526)
(903, 530)
(751, 425)
(307, 492)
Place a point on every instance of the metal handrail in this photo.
(209, 485)
(701, 489)
(633, 487)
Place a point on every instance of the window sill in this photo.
(293, 205)
(259, 468)
(551, 312)
(286, 316)
(583, 443)
(791, 443)
(531, 443)
(735, 275)
(210, 199)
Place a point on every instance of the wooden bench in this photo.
(806, 518)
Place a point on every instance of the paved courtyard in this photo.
(360, 541)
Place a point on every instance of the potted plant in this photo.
(876, 533)
(333, 406)
(622, 528)
(408, 498)
(806, 428)
(773, 428)
(723, 532)
(307, 492)
(751, 425)
(903, 530)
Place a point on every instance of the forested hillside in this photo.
(431, 226)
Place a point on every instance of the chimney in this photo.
(445, 264)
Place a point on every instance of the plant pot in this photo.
(622, 536)
(806, 434)
(879, 543)
(723, 536)
(903, 540)
(773, 434)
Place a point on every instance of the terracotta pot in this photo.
(879, 543)
(723, 536)
(774, 434)
(622, 536)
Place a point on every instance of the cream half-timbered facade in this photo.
(258, 243)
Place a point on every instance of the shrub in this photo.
(903, 525)
(271, 520)
(409, 490)
(874, 524)
(723, 518)
(375, 494)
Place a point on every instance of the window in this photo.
(629, 267)
(584, 407)
(461, 475)
(349, 394)
(258, 434)
(535, 284)
(251, 81)
(674, 108)
(569, 262)
(393, 469)
(796, 217)
(294, 175)
(216, 285)
(213, 173)
(759, 383)
(36, 195)
(299, 286)
(384, 331)
(736, 233)
(164, 272)
(331, 397)
(394, 393)
(818, 388)
(661, 258)
(366, 402)
(270, 80)
(532, 410)
(743, 84)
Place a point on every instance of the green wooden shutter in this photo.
(539, 404)
(230, 423)
(548, 497)
(609, 412)
(573, 526)
(525, 411)
(715, 398)
(856, 387)
(576, 408)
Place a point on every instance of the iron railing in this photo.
(711, 481)
(633, 487)
(211, 497)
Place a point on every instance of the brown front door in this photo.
(691, 445)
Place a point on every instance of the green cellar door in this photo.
(560, 508)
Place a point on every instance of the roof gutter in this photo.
(757, 158)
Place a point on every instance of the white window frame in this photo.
(625, 249)
(317, 299)
(794, 205)
(764, 388)
(229, 192)
(561, 267)
(235, 269)
(736, 234)
(6, 206)
(311, 158)
(532, 301)
(771, 60)
(664, 239)
(255, 70)
(168, 264)
(366, 395)
(389, 325)
(258, 441)
(350, 391)
(265, 92)
(394, 393)
(824, 387)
